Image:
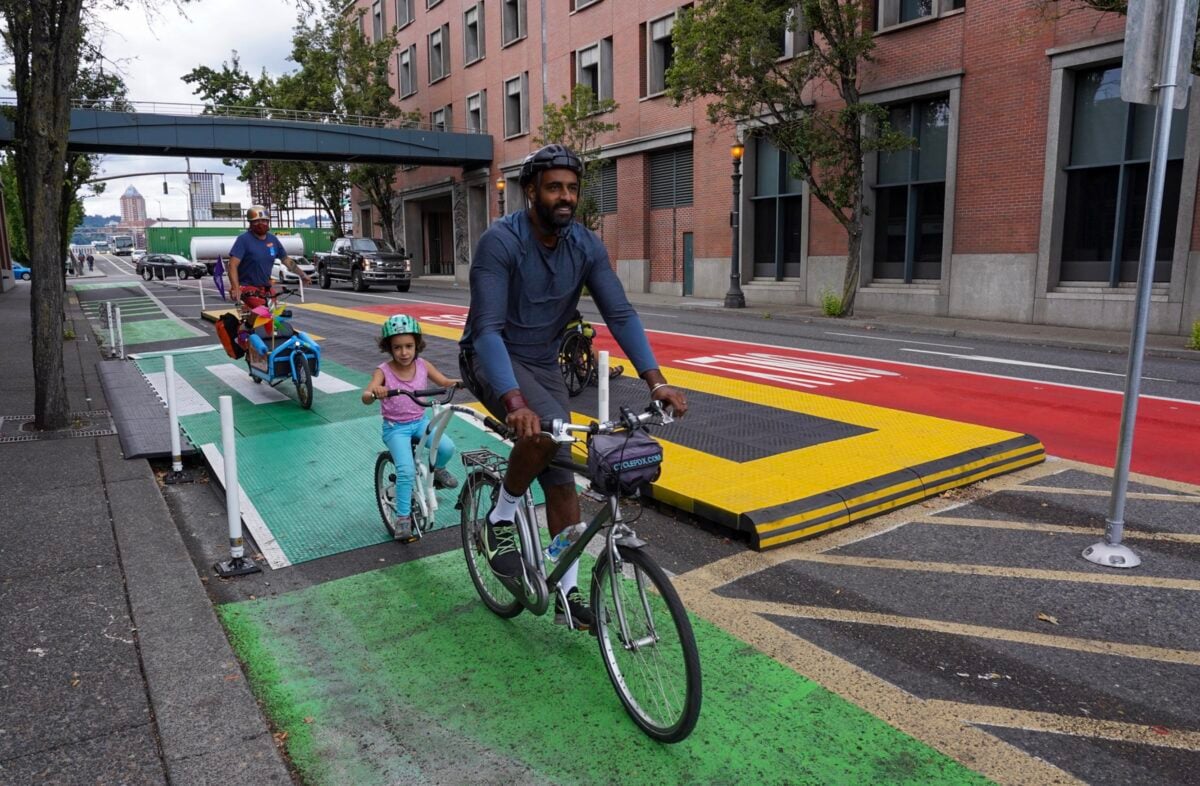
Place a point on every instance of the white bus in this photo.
(122, 245)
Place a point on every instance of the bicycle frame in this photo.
(440, 416)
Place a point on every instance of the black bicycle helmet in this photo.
(549, 157)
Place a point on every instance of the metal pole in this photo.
(200, 284)
(1111, 553)
(238, 563)
(734, 298)
(300, 280)
(602, 385)
(120, 334)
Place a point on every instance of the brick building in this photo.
(1023, 202)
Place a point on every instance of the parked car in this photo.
(169, 266)
(285, 276)
(364, 261)
(20, 272)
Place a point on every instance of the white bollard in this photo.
(602, 385)
(173, 416)
(238, 564)
(120, 333)
(200, 284)
(300, 280)
(112, 332)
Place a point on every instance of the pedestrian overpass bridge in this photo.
(207, 131)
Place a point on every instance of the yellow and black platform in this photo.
(784, 465)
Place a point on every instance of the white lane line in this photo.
(924, 366)
(187, 400)
(897, 340)
(327, 383)
(254, 522)
(238, 378)
(1029, 363)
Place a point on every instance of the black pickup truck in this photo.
(363, 261)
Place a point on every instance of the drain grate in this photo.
(93, 423)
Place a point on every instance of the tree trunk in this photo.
(853, 268)
(44, 36)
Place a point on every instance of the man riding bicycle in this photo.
(526, 279)
(252, 258)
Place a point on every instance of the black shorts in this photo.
(544, 389)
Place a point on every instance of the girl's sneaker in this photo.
(442, 479)
(402, 527)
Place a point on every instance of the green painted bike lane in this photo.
(308, 473)
(401, 675)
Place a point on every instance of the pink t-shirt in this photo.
(402, 409)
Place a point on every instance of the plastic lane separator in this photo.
(258, 528)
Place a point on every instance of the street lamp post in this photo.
(734, 297)
(500, 184)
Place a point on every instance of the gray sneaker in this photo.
(442, 479)
(402, 529)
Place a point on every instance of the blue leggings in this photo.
(400, 438)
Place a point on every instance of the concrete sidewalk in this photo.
(114, 667)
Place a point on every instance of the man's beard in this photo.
(550, 220)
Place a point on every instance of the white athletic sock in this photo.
(506, 507)
(570, 579)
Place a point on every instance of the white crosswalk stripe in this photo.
(187, 400)
(238, 378)
(790, 370)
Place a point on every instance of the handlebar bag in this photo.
(623, 463)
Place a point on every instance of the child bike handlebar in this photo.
(429, 396)
(560, 430)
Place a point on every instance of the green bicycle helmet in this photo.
(398, 324)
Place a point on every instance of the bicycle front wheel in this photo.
(652, 659)
(385, 490)
(478, 495)
(577, 363)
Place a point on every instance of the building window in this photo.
(406, 68)
(439, 54)
(660, 52)
(671, 177)
(473, 33)
(513, 21)
(601, 187)
(431, 3)
(439, 119)
(516, 106)
(1108, 173)
(364, 218)
(593, 67)
(477, 112)
(910, 194)
(576, 5)
(377, 21)
(778, 213)
(404, 12)
(890, 13)
(794, 38)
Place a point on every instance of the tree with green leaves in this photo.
(578, 123)
(730, 52)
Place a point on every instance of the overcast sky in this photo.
(154, 52)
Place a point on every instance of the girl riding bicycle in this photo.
(404, 421)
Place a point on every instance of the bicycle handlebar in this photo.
(558, 429)
(420, 396)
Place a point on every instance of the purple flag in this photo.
(219, 277)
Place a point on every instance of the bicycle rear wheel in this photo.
(478, 495)
(656, 669)
(385, 489)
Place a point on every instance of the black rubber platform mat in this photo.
(733, 430)
(138, 413)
